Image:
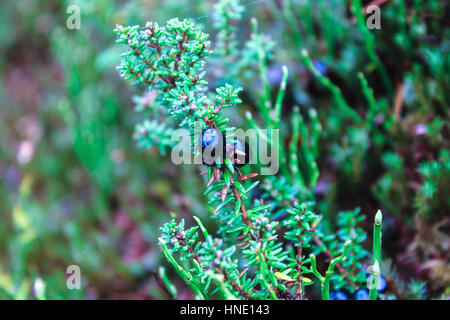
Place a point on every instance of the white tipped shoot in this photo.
(379, 217)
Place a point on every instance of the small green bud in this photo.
(379, 217)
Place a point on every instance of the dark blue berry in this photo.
(213, 144)
(381, 284)
(338, 295)
(361, 294)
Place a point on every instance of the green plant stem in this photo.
(325, 281)
(223, 288)
(373, 292)
(335, 91)
(280, 96)
(203, 229)
(314, 268)
(339, 259)
(377, 226)
(316, 128)
(311, 171)
(263, 136)
(377, 237)
(267, 287)
(368, 93)
(264, 273)
(292, 22)
(265, 104)
(293, 152)
(369, 42)
(163, 275)
(186, 275)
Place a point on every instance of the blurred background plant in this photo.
(364, 117)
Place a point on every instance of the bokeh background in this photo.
(76, 190)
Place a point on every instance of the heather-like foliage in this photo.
(360, 113)
(255, 255)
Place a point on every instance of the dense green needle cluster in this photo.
(257, 254)
(170, 60)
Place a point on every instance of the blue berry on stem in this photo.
(381, 284)
(213, 143)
